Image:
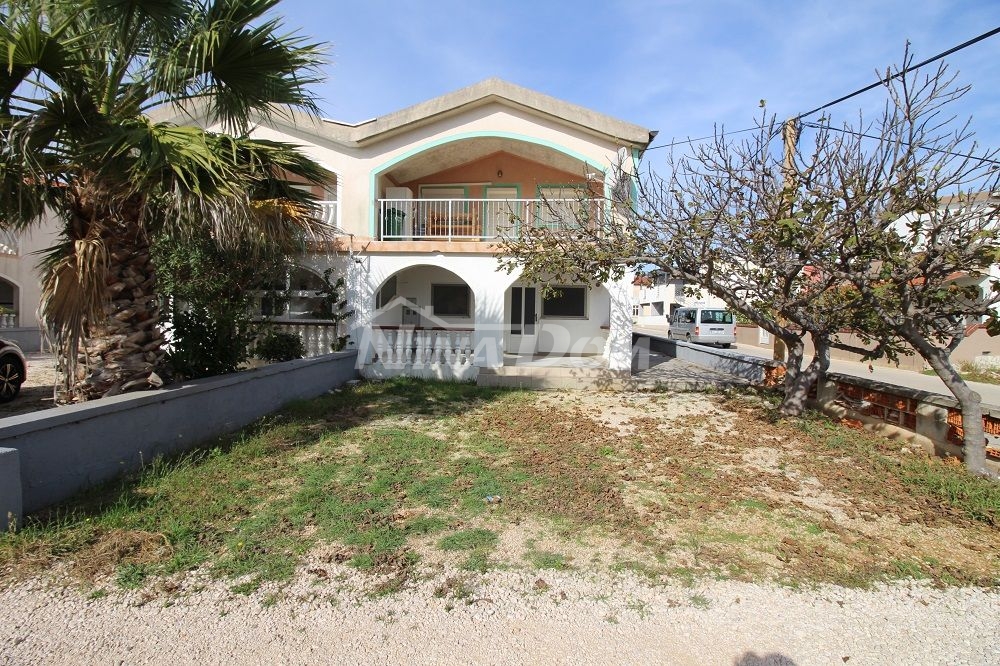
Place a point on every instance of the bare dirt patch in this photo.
(712, 483)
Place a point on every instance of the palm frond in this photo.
(242, 64)
(73, 275)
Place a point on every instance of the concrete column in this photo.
(10, 488)
(618, 350)
(826, 391)
(488, 338)
(361, 298)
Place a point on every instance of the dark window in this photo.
(450, 300)
(716, 317)
(565, 302)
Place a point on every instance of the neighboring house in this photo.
(656, 296)
(419, 200)
(20, 289)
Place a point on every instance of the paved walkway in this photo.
(675, 374)
(990, 392)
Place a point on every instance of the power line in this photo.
(902, 72)
(882, 138)
(872, 86)
(701, 138)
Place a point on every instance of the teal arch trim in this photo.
(372, 181)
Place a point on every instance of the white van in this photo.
(710, 325)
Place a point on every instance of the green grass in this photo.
(699, 601)
(544, 559)
(929, 478)
(756, 505)
(343, 471)
(468, 540)
(253, 504)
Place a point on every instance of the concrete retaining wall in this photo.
(10, 488)
(64, 450)
(929, 420)
(28, 339)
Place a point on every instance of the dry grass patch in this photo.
(394, 477)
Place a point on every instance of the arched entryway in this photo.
(9, 300)
(423, 325)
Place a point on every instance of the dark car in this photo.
(13, 370)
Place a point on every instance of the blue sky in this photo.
(677, 66)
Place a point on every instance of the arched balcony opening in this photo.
(484, 188)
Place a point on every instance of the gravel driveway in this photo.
(505, 617)
(36, 392)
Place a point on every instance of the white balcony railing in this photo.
(481, 219)
(431, 354)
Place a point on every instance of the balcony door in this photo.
(522, 318)
(503, 212)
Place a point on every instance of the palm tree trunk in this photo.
(123, 352)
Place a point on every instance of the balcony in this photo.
(481, 219)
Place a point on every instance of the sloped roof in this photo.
(490, 91)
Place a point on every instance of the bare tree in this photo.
(921, 273)
(871, 226)
(728, 219)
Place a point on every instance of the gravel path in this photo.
(500, 617)
(36, 392)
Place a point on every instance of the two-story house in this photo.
(419, 200)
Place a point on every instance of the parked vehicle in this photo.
(13, 370)
(709, 325)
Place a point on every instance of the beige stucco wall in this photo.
(20, 270)
(355, 166)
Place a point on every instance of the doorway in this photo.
(522, 320)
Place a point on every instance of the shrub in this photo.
(277, 346)
(206, 344)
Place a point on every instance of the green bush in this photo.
(206, 344)
(277, 346)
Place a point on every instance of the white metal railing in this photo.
(9, 242)
(482, 219)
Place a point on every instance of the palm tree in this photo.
(82, 84)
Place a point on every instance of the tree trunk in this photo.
(973, 433)
(123, 352)
(970, 402)
(797, 385)
(793, 370)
